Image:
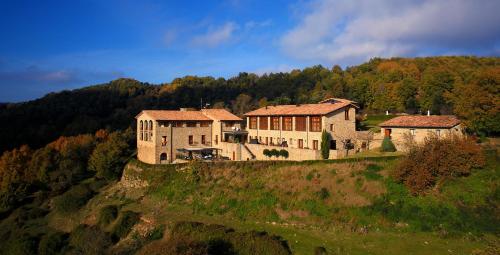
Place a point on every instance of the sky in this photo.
(49, 46)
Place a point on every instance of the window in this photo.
(253, 122)
(163, 157)
(300, 123)
(202, 139)
(291, 141)
(216, 139)
(271, 140)
(315, 144)
(267, 140)
(263, 123)
(301, 143)
(346, 114)
(204, 124)
(331, 127)
(412, 131)
(191, 140)
(315, 124)
(438, 133)
(163, 141)
(287, 123)
(387, 132)
(142, 125)
(142, 135)
(191, 124)
(260, 139)
(333, 145)
(229, 124)
(275, 123)
(150, 125)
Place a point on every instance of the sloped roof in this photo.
(327, 106)
(422, 121)
(174, 115)
(220, 114)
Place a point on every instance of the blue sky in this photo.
(50, 46)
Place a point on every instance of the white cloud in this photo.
(347, 32)
(215, 36)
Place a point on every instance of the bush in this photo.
(124, 224)
(371, 172)
(275, 153)
(222, 240)
(436, 160)
(52, 243)
(267, 153)
(284, 153)
(89, 240)
(107, 215)
(73, 199)
(176, 245)
(387, 145)
(323, 193)
(24, 244)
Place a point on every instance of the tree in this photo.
(109, 157)
(387, 145)
(325, 145)
(14, 168)
(242, 104)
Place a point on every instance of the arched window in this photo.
(141, 126)
(163, 157)
(150, 130)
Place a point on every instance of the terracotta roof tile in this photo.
(174, 115)
(220, 114)
(433, 121)
(303, 109)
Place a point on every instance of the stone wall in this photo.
(398, 134)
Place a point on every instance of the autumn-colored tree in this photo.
(436, 160)
(14, 168)
(478, 102)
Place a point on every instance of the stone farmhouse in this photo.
(418, 127)
(298, 128)
(163, 136)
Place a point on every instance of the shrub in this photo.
(323, 193)
(267, 153)
(24, 244)
(124, 224)
(89, 240)
(52, 243)
(436, 160)
(275, 153)
(176, 245)
(325, 145)
(387, 145)
(284, 153)
(73, 199)
(107, 215)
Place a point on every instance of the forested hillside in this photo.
(465, 86)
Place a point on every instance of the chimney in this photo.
(428, 113)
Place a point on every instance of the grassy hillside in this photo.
(347, 206)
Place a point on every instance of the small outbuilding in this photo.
(418, 127)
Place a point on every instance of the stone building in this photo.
(418, 127)
(298, 128)
(163, 136)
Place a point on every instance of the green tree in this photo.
(267, 153)
(325, 145)
(387, 145)
(275, 153)
(109, 157)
